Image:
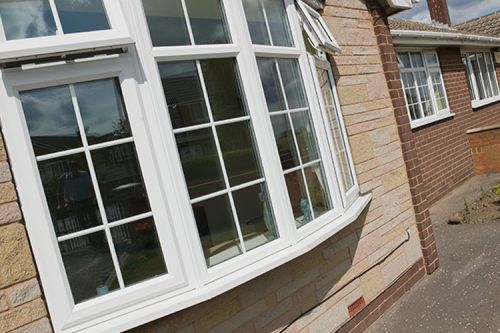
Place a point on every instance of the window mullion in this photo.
(268, 28)
(55, 14)
(188, 21)
(95, 184)
(221, 157)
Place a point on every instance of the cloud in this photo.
(460, 10)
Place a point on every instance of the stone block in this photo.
(22, 315)
(361, 148)
(7, 192)
(9, 213)
(39, 326)
(5, 174)
(23, 292)
(394, 179)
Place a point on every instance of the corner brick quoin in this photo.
(22, 308)
(413, 164)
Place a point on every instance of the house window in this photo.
(155, 178)
(423, 85)
(481, 77)
(37, 18)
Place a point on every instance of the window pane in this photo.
(416, 59)
(404, 60)
(120, 182)
(477, 74)
(431, 59)
(292, 82)
(425, 95)
(207, 21)
(270, 82)
(166, 22)
(285, 142)
(438, 87)
(469, 77)
(102, 109)
(304, 133)
(217, 230)
(317, 190)
(255, 216)
(182, 87)
(89, 266)
(27, 18)
(239, 152)
(276, 26)
(70, 194)
(81, 16)
(223, 88)
(485, 76)
(298, 198)
(200, 162)
(51, 120)
(492, 74)
(138, 251)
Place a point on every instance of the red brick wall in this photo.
(443, 148)
(439, 11)
(485, 147)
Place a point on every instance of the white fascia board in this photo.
(433, 38)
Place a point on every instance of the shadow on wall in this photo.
(274, 300)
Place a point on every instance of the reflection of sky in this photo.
(82, 15)
(49, 112)
(27, 18)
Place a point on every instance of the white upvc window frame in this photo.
(188, 281)
(428, 69)
(117, 35)
(475, 95)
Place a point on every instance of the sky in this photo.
(460, 10)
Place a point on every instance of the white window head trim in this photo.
(317, 29)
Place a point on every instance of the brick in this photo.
(23, 292)
(22, 315)
(7, 192)
(10, 212)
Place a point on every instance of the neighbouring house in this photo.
(449, 78)
(208, 166)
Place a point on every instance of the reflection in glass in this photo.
(200, 162)
(27, 19)
(223, 88)
(207, 21)
(255, 216)
(285, 142)
(51, 119)
(138, 251)
(82, 16)
(292, 82)
(271, 84)
(298, 198)
(217, 230)
(166, 22)
(317, 190)
(102, 109)
(305, 136)
(239, 152)
(182, 88)
(120, 182)
(256, 22)
(417, 60)
(89, 266)
(70, 194)
(404, 60)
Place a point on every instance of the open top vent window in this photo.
(316, 29)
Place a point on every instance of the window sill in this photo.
(164, 305)
(484, 102)
(430, 120)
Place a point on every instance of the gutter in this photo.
(413, 37)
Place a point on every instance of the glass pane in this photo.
(416, 59)
(120, 182)
(292, 81)
(278, 23)
(166, 22)
(217, 230)
(89, 266)
(284, 140)
(256, 22)
(316, 184)
(404, 60)
(27, 18)
(200, 162)
(304, 133)
(102, 109)
(492, 74)
(485, 76)
(239, 152)
(431, 59)
(298, 198)
(70, 194)
(51, 120)
(477, 74)
(425, 95)
(223, 88)
(271, 84)
(469, 77)
(81, 16)
(138, 251)
(207, 21)
(438, 90)
(182, 87)
(255, 216)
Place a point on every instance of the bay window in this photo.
(481, 77)
(158, 177)
(424, 87)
